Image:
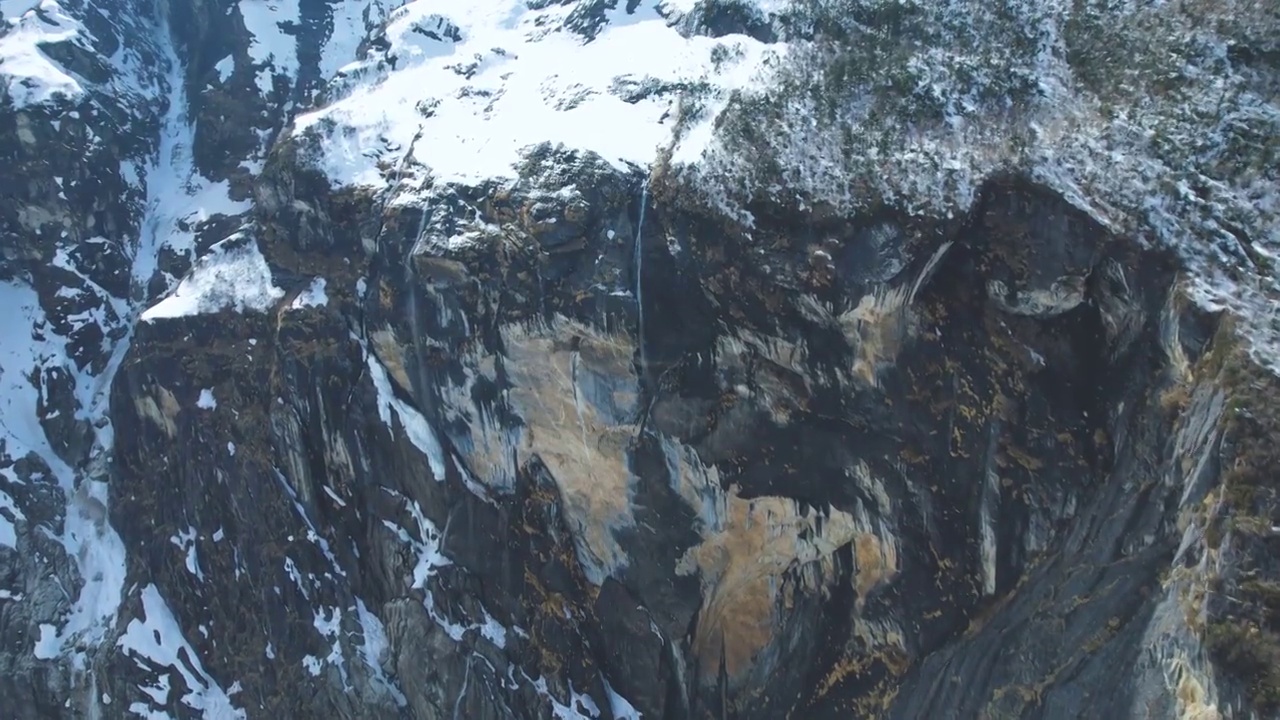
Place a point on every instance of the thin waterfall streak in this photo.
(639, 270)
(417, 240)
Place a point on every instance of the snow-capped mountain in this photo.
(638, 359)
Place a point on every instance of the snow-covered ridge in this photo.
(464, 88)
(36, 37)
(1148, 116)
(31, 76)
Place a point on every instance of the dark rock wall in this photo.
(867, 466)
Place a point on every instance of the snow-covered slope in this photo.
(462, 90)
(67, 308)
(102, 198)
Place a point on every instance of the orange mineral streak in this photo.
(742, 567)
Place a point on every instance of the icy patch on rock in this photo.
(206, 401)
(313, 296)
(427, 548)
(9, 515)
(503, 77)
(427, 545)
(224, 68)
(47, 647)
(374, 649)
(619, 706)
(186, 541)
(328, 622)
(157, 639)
(233, 276)
(313, 536)
(581, 706)
(415, 425)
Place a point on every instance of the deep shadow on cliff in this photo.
(867, 467)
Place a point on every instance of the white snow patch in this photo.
(334, 496)
(157, 638)
(231, 448)
(584, 701)
(415, 425)
(502, 77)
(224, 68)
(430, 559)
(158, 694)
(291, 569)
(493, 631)
(264, 81)
(313, 296)
(9, 514)
(271, 45)
(328, 622)
(47, 647)
(186, 540)
(233, 275)
(206, 401)
(428, 548)
(619, 706)
(312, 664)
(580, 707)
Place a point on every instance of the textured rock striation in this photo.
(379, 360)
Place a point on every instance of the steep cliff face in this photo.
(392, 361)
